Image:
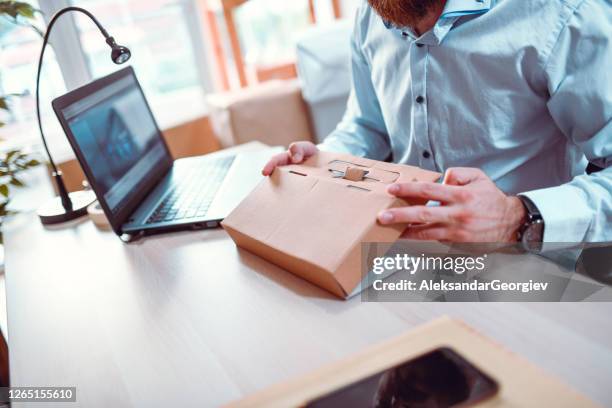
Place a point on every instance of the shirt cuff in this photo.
(565, 211)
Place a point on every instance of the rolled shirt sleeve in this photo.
(579, 74)
(362, 131)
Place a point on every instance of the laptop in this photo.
(141, 189)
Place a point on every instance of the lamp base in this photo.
(52, 212)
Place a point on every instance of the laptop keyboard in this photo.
(192, 197)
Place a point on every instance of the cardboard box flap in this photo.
(331, 166)
(311, 218)
(374, 174)
(317, 219)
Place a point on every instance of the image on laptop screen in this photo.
(118, 139)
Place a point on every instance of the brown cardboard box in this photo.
(521, 384)
(272, 112)
(309, 221)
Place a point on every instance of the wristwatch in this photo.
(531, 233)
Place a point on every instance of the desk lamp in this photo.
(66, 206)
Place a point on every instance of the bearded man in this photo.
(511, 99)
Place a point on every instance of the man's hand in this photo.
(472, 209)
(297, 153)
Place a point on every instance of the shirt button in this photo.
(420, 99)
(426, 154)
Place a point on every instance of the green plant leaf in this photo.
(13, 154)
(4, 190)
(16, 182)
(32, 163)
(17, 8)
(7, 8)
(25, 10)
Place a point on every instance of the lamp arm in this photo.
(57, 175)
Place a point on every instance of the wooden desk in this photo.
(188, 320)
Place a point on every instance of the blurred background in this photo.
(194, 58)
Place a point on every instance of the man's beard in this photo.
(403, 13)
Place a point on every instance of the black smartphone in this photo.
(438, 379)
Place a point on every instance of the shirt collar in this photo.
(453, 10)
(458, 8)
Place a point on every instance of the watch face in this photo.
(533, 236)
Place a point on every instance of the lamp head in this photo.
(119, 53)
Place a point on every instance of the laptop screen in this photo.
(118, 139)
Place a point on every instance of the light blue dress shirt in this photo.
(521, 89)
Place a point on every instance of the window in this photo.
(268, 29)
(167, 53)
(254, 40)
(19, 52)
(163, 51)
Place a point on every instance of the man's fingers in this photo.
(296, 153)
(460, 176)
(299, 151)
(428, 191)
(280, 159)
(419, 214)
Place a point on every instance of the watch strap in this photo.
(533, 213)
(533, 217)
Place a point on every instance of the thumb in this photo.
(459, 176)
(299, 151)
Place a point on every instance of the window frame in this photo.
(72, 59)
(280, 70)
